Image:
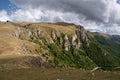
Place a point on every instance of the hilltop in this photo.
(66, 45)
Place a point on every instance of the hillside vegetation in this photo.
(56, 45)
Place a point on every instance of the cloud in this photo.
(98, 10)
(25, 15)
(95, 15)
(3, 15)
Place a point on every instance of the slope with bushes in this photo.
(64, 45)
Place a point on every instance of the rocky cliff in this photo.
(59, 44)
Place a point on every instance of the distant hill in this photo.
(60, 44)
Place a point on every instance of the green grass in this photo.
(101, 57)
(111, 46)
(69, 59)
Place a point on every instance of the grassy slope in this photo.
(9, 45)
(77, 59)
(87, 57)
(56, 74)
(102, 57)
(14, 52)
(11, 57)
(110, 45)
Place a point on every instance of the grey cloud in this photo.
(92, 9)
(92, 13)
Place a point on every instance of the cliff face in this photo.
(61, 44)
(45, 34)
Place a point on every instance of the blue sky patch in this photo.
(4, 4)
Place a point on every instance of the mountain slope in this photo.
(58, 44)
(111, 43)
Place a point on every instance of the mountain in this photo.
(59, 44)
(110, 42)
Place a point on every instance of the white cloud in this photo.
(98, 10)
(3, 15)
(25, 15)
(95, 15)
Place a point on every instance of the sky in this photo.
(4, 4)
(94, 15)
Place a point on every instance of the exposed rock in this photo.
(66, 43)
(82, 35)
(53, 35)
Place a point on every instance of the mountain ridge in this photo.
(60, 44)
